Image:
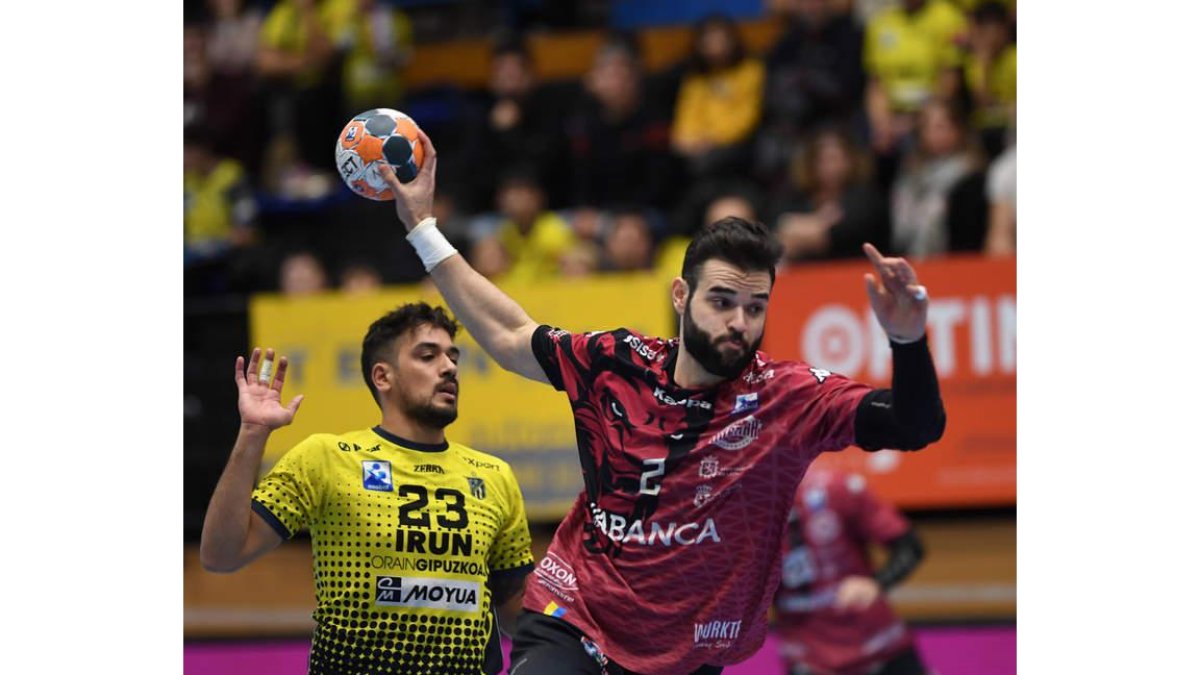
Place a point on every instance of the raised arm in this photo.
(910, 415)
(492, 318)
(233, 535)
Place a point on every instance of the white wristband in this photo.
(430, 243)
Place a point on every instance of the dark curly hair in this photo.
(381, 336)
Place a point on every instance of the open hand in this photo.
(900, 303)
(259, 395)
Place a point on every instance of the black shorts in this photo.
(907, 662)
(544, 645)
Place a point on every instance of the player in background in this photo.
(415, 539)
(831, 609)
(691, 448)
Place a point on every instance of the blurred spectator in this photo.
(533, 238)
(1002, 198)
(518, 125)
(814, 76)
(619, 142)
(581, 260)
(738, 201)
(218, 202)
(944, 156)
(629, 246)
(911, 53)
(299, 57)
(233, 37)
(380, 46)
(301, 274)
(360, 278)
(489, 258)
(990, 72)
(835, 206)
(219, 98)
(831, 608)
(720, 101)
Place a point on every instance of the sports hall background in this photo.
(579, 144)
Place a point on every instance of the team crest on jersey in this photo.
(745, 403)
(377, 475)
(739, 434)
(478, 489)
(709, 467)
(820, 373)
(703, 494)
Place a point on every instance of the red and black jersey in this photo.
(834, 520)
(670, 557)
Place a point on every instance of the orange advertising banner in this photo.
(972, 327)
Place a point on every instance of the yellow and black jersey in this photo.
(405, 536)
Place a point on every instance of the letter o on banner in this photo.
(833, 340)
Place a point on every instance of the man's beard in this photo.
(700, 345)
(429, 414)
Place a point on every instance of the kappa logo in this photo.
(745, 403)
(478, 488)
(377, 475)
(739, 434)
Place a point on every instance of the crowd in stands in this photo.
(890, 121)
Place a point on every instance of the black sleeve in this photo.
(908, 416)
(906, 553)
(542, 343)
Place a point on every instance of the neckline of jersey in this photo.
(407, 444)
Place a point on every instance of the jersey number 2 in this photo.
(412, 514)
(654, 469)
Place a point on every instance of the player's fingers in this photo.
(280, 373)
(389, 177)
(264, 371)
(427, 146)
(252, 369)
(874, 290)
(239, 372)
(873, 254)
(295, 404)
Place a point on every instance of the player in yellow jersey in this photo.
(415, 539)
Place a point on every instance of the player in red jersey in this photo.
(691, 449)
(831, 609)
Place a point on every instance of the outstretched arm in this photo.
(233, 536)
(492, 318)
(910, 415)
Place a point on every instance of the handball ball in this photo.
(372, 137)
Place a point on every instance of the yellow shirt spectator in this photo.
(218, 208)
(286, 30)
(907, 52)
(721, 108)
(999, 84)
(536, 255)
(380, 45)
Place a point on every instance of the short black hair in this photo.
(381, 336)
(739, 242)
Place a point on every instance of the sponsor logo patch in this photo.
(448, 594)
(739, 434)
(377, 475)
